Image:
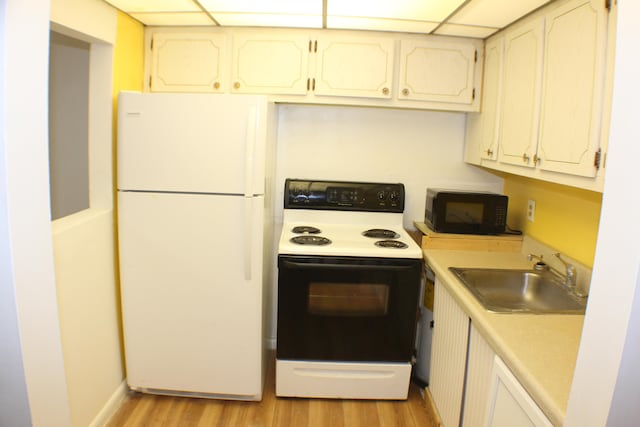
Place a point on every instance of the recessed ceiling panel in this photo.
(494, 13)
(268, 20)
(292, 7)
(174, 18)
(379, 24)
(155, 5)
(418, 10)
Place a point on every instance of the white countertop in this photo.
(540, 350)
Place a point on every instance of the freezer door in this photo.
(183, 142)
(192, 292)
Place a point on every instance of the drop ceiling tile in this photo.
(141, 6)
(379, 24)
(293, 7)
(268, 20)
(418, 10)
(472, 31)
(173, 18)
(494, 13)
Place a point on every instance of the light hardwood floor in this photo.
(148, 410)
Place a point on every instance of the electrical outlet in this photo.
(531, 210)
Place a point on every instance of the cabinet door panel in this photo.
(448, 356)
(276, 64)
(523, 53)
(187, 62)
(491, 98)
(509, 403)
(437, 71)
(358, 67)
(572, 89)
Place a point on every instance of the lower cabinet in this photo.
(470, 385)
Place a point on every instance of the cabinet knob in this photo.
(236, 85)
(490, 152)
(385, 91)
(216, 85)
(405, 92)
(525, 158)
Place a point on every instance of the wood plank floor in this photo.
(148, 410)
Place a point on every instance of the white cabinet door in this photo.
(523, 53)
(183, 62)
(354, 66)
(270, 63)
(477, 384)
(448, 355)
(440, 71)
(491, 94)
(509, 403)
(574, 60)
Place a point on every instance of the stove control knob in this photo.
(394, 196)
(381, 195)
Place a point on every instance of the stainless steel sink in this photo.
(520, 291)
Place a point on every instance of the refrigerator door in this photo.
(192, 293)
(188, 142)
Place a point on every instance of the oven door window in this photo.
(345, 308)
(348, 299)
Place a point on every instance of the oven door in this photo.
(347, 308)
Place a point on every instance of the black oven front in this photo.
(334, 308)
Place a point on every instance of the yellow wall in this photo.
(128, 74)
(566, 218)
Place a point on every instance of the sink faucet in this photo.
(540, 265)
(570, 276)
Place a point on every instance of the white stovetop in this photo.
(344, 229)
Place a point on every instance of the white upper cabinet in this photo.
(354, 66)
(439, 71)
(275, 63)
(573, 81)
(184, 62)
(522, 78)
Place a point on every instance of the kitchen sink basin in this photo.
(520, 291)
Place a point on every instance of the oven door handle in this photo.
(313, 265)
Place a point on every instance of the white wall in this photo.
(418, 148)
(26, 254)
(605, 384)
(84, 243)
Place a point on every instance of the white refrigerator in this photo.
(195, 241)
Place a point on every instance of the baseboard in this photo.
(432, 406)
(112, 406)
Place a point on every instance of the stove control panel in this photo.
(343, 195)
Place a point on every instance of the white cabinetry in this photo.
(319, 66)
(438, 71)
(469, 383)
(509, 403)
(270, 64)
(552, 99)
(482, 128)
(354, 66)
(523, 53)
(573, 81)
(187, 62)
(448, 355)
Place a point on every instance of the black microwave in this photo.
(448, 211)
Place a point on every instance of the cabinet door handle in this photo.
(536, 159)
(236, 85)
(385, 91)
(490, 152)
(216, 85)
(525, 158)
(405, 92)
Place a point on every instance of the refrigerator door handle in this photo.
(250, 147)
(247, 246)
